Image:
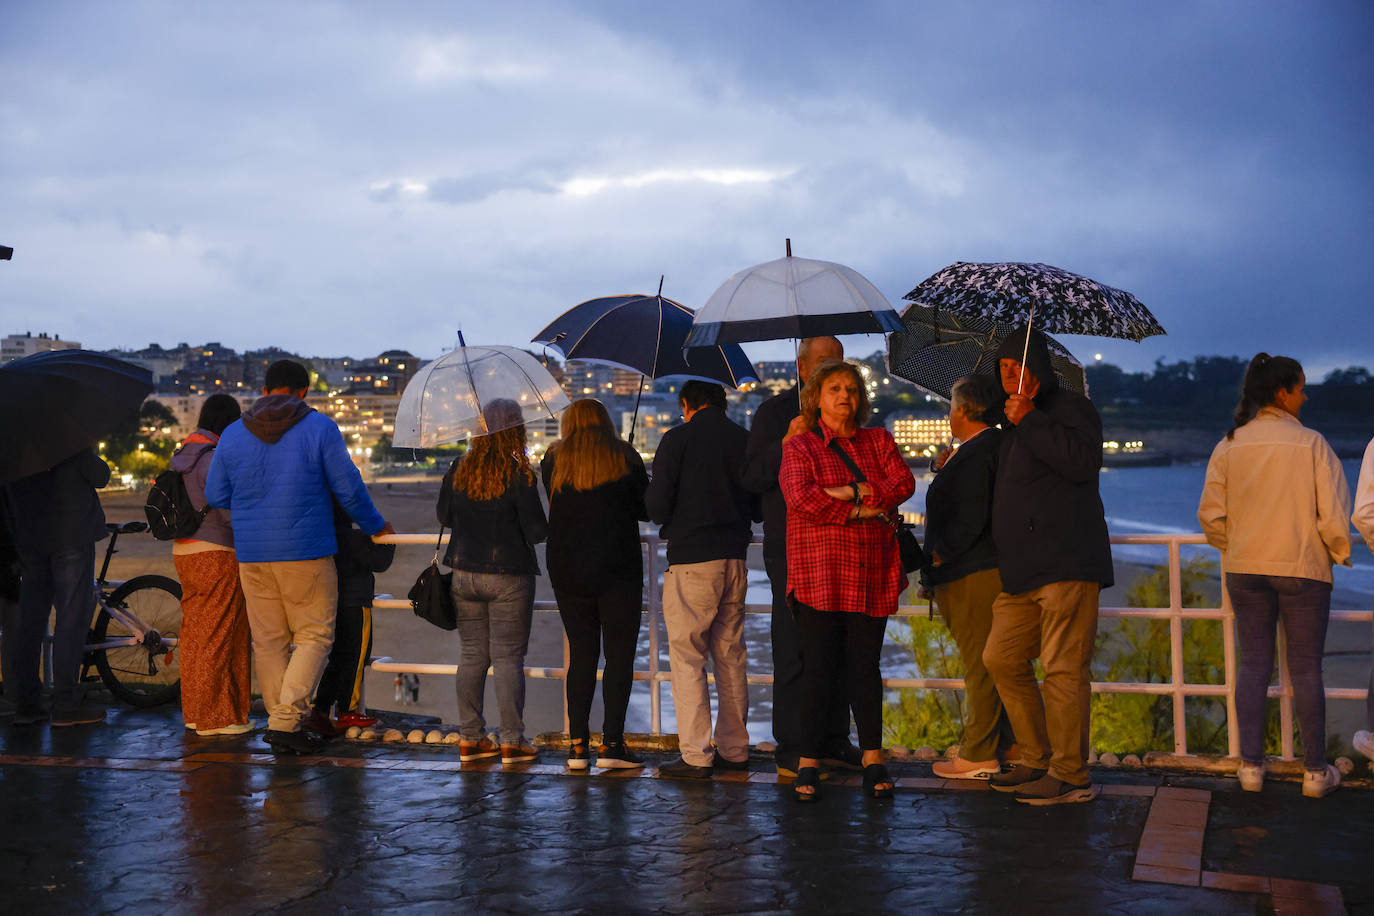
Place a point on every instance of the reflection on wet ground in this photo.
(139, 816)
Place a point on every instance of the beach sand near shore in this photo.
(405, 638)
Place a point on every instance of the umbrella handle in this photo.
(1025, 349)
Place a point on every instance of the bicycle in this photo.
(132, 642)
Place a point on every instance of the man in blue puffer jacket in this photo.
(274, 470)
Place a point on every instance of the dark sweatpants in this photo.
(612, 619)
(343, 675)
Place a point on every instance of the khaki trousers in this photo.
(1056, 623)
(703, 608)
(290, 602)
(966, 606)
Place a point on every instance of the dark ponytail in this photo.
(1263, 378)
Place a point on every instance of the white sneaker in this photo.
(1364, 743)
(238, 728)
(1319, 783)
(1251, 776)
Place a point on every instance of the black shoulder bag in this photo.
(431, 597)
(913, 557)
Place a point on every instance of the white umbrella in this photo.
(792, 297)
(445, 400)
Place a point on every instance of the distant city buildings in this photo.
(919, 433)
(17, 346)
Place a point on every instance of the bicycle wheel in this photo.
(142, 675)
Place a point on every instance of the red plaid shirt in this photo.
(834, 564)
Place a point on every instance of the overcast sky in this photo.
(343, 178)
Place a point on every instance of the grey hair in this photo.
(973, 395)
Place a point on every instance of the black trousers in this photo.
(343, 675)
(842, 648)
(610, 620)
(790, 711)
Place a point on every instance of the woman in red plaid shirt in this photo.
(844, 571)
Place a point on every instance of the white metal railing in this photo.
(1176, 687)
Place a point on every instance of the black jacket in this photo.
(763, 461)
(57, 510)
(594, 534)
(959, 511)
(493, 535)
(1047, 516)
(358, 558)
(696, 493)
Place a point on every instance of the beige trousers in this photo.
(291, 602)
(703, 608)
(1056, 623)
(966, 605)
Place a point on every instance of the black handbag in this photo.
(913, 557)
(431, 597)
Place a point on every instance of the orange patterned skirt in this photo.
(216, 647)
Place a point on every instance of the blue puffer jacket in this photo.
(274, 470)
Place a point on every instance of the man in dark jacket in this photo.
(1054, 559)
(56, 520)
(706, 514)
(773, 421)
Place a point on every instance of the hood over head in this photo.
(272, 415)
(1037, 361)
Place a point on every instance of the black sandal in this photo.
(807, 776)
(874, 774)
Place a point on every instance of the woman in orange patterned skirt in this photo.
(216, 654)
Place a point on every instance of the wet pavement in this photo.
(141, 816)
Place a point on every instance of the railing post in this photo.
(1228, 646)
(1176, 648)
(655, 605)
(1285, 698)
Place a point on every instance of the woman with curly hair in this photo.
(596, 485)
(490, 499)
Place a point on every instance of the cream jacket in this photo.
(1275, 501)
(1363, 516)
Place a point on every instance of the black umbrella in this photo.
(54, 404)
(936, 348)
(647, 335)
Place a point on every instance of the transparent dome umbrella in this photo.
(792, 297)
(445, 400)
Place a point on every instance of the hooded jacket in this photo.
(1047, 517)
(274, 470)
(193, 461)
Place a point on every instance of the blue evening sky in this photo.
(341, 178)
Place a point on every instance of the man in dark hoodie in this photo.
(1054, 558)
(275, 470)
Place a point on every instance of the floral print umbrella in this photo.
(1050, 298)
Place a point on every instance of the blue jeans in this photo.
(494, 616)
(60, 581)
(1304, 605)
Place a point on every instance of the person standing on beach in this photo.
(707, 519)
(777, 417)
(1054, 559)
(1363, 519)
(275, 470)
(1276, 504)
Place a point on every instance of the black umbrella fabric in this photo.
(1050, 298)
(645, 334)
(936, 348)
(56, 403)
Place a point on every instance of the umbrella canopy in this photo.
(937, 348)
(1049, 297)
(792, 297)
(645, 334)
(54, 404)
(444, 402)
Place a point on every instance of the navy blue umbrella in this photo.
(646, 335)
(54, 404)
